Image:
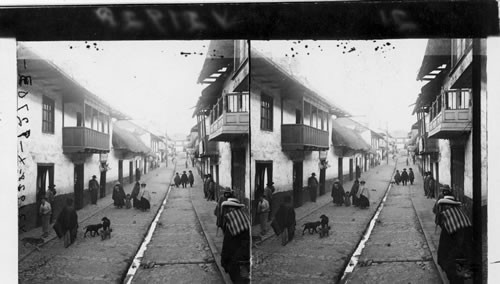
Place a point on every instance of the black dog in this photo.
(93, 229)
(311, 227)
(325, 228)
(106, 223)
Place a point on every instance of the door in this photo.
(131, 172)
(102, 184)
(351, 169)
(322, 174)
(341, 171)
(457, 171)
(238, 170)
(78, 186)
(120, 171)
(297, 184)
(298, 116)
(44, 178)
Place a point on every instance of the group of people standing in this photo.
(184, 179)
(404, 177)
(359, 194)
(209, 187)
(141, 199)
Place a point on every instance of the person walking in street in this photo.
(138, 174)
(177, 180)
(227, 193)
(363, 195)
(284, 221)
(426, 184)
(192, 161)
(187, 165)
(268, 195)
(455, 241)
(397, 177)
(404, 177)
(184, 179)
(205, 186)
(211, 188)
(118, 195)
(338, 193)
(191, 178)
(411, 176)
(236, 242)
(358, 172)
(45, 212)
(431, 186)
(145, 198)
(354, 192)
(135, 194)
(263, 214)
(67, 222)
(312, 184)
(94, 189)
(50, 195)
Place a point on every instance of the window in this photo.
(266, 113)
(47, 115)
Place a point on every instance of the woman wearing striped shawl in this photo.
(236, 244)
(456, 236)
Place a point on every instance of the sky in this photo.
(149, 80)
(154, 81)
(374, 80)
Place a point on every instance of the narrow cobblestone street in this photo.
(309, 259)
(91, 260)
(179, 252)
(396, 251)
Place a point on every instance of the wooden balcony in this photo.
(300, 137)
(230, 118)
(84, 140)
(450, 124)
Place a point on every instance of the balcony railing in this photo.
(300, 137)
(450, 115)
(82, 139)
(229, 117)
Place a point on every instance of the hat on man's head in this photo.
(93, 176)
(313, 174)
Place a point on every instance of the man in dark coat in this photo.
(354, 192)
(118, 195)
(285, 219)
(338, 193)
(205, 186)
(431, 186)
(211, 188)
(191, 178)
(397, 177)
(404, 177)
(93, 188)
(67, 221)
(426, 184)
(135, 193)
(177, 180)
(137, 174)
(358, 172)
(411, 176)
(312, 183)
(184, 179)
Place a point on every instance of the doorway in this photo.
(351, 169)
(102, 184)
(131, 172)
(457, 171)
(238, 171)
(340, 173)
(44, 178)
(322, 176)
(78, 186)
(120, 171)
(297, 184)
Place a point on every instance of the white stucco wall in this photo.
(444, 162)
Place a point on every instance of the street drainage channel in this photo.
(140, 253)
(355, 257)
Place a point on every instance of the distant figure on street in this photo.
(312, 183)
(347, 199)
(227, 193)
(94, 189)
(263, 214)
(137, 174)
(135, 194)
(407, 163)
(236, 243)
(363, 196)
(187, 165)
(118, 195)
(354, 192)
(45, 211)
(338, 193)
(431, 185)
(358, 172)
(50, 195)
(404, 177)
(192, 161)
(455, 241)
(191, 178)
(411, 176)
(397, 177)
(177, 180)
(205, 186)
(211, 188)
(67, 221)
(426, 184)
(128, 204)
(145, 203)
(285, 221)
(184, 179)
(268, 195)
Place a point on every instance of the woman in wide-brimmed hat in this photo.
(118, 195)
